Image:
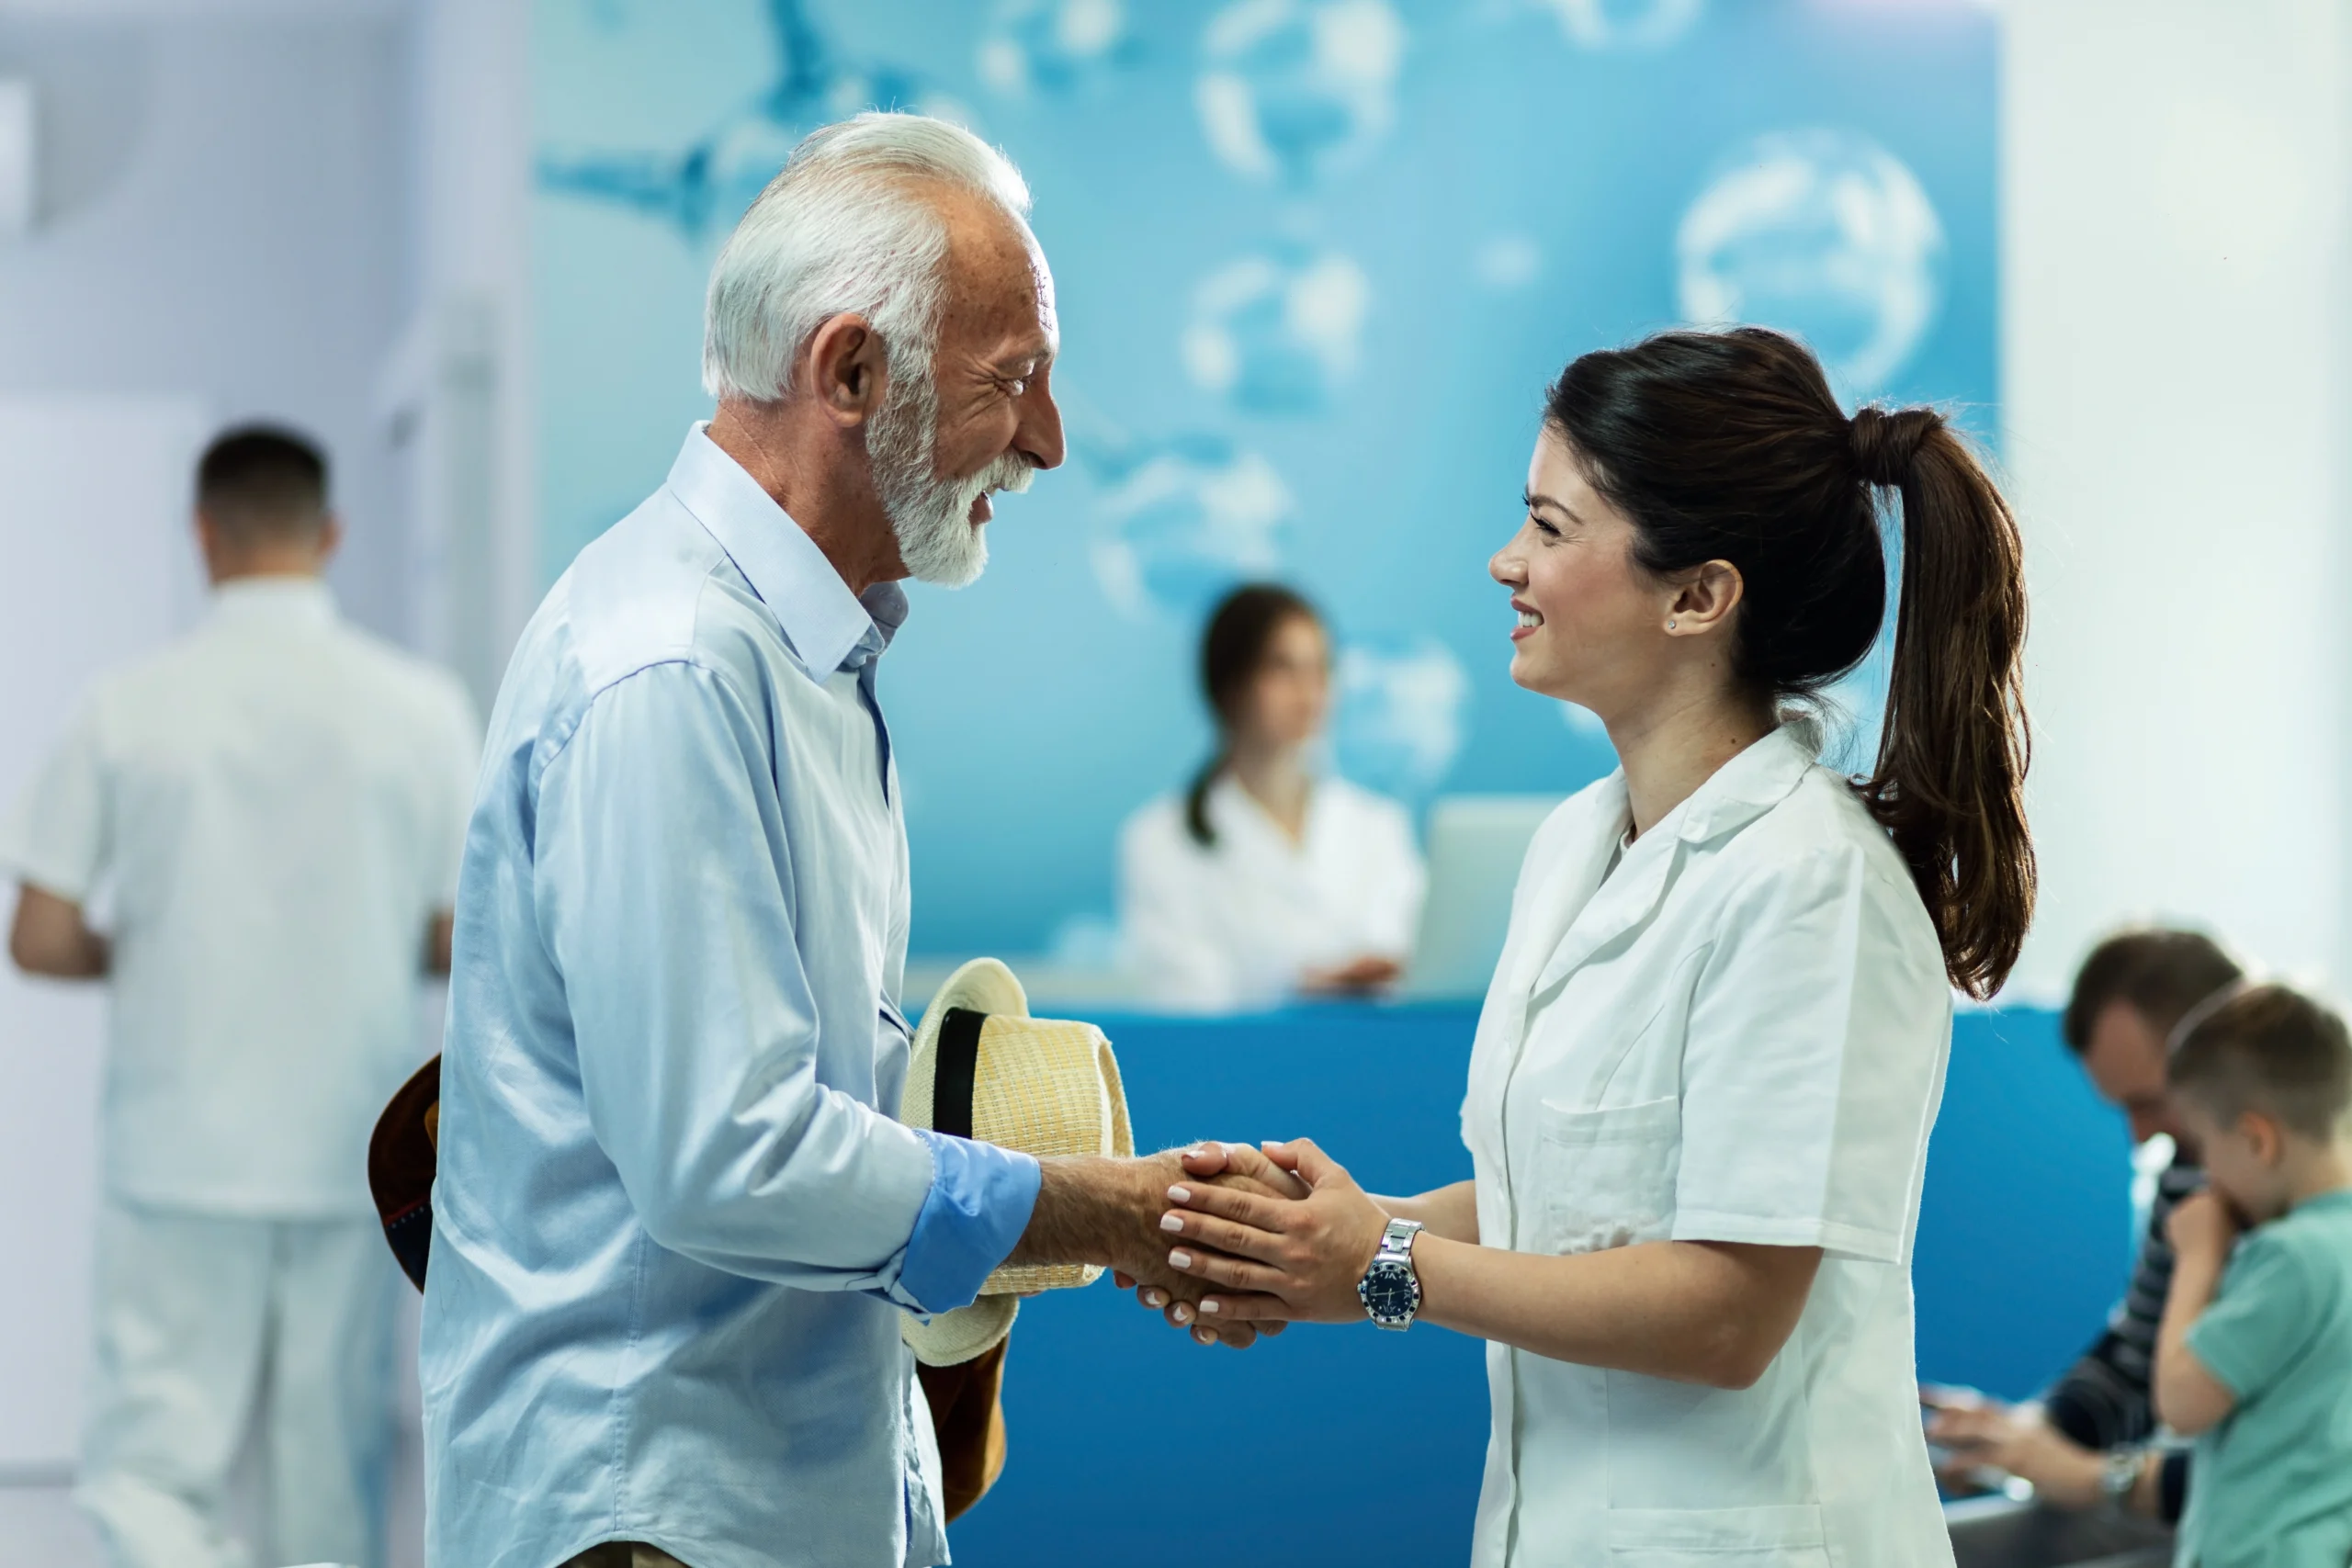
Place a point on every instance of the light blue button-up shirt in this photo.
(676, 1227)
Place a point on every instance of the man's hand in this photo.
(1107, 1212)
(2202, 1226)
(1983, 1434)
(49, 937)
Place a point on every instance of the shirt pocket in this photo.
(1605, 1177)
(1779, 1535)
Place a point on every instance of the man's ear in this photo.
(848, 370)
(1705, 597)
(330, 538)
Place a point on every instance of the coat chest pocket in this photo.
(1605, 1177)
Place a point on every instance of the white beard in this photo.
(932, 516)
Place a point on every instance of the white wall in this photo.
(224, 217)
(458, 389)
(90, 488)
(2173, 342)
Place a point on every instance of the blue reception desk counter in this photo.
(1131, 1445)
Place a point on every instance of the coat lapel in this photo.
(1741, 790)
(1553, 908)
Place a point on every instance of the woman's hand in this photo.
(1310, 1253)
(1228, 1165)
(1363, 977)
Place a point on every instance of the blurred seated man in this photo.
(2084, 1445)
(273, 808)
(1267, 878)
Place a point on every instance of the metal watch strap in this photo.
(2120, 1473)
(1396, 1247)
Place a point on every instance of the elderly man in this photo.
(676, 1227)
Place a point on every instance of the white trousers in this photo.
(204, 1324)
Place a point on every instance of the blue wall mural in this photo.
(1317, 259)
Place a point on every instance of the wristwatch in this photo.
(1390, 1291)
(2119, 1475)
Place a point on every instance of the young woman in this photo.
(1703, 1085)
(1264, 880)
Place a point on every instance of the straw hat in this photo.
(983, 1068)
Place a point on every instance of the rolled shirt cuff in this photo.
(979, 1203)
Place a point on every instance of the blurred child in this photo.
(2254, 1357)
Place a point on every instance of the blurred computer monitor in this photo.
(1475, 844)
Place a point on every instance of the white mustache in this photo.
(1012, 472)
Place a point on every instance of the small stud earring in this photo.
(1669, 625)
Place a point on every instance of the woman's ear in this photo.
(1704, 598)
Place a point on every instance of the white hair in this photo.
(845, 228)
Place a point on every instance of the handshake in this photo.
(1229, 1240)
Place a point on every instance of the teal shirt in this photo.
(2271, 1487)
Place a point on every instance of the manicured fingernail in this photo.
(1195, 1152)
(1180, 1260)
(1204, 1336)
(1184, 1313)
(1172, 1222)
(1208, 1304)
(1179, 1195)
(1155, 1298)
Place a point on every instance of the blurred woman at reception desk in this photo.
(1265, 879)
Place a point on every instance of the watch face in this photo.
(1389, 1290)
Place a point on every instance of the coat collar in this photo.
(279, 599)
(824, 623)
(1598, 912)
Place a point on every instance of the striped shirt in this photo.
(2103, 1401)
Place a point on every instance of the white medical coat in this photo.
(1739, 1035)
(273, 806)
(1234, 924)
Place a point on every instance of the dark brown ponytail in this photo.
(1233, 650)
(1731, 446)
(1950, 784)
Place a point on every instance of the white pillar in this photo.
(457, 396)
(2174, 278)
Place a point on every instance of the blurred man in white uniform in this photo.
(271, 812)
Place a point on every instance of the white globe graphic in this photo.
(1294, 91)
(1624, 24)
(1398, 723)
(1278, 336)
(1053, 46)
(1825, 235)
(1186, 520)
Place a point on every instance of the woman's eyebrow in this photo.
(1535, 501)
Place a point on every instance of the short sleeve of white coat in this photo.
(56, 838)
(1814, 1063)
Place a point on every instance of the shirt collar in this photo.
(1752, 782)
(830, 628)
(284, 598)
